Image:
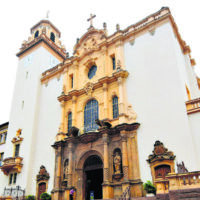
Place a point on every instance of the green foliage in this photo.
(45, 196)
(30, 197)
(149, 187)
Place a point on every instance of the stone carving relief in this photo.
(131, 114)
(42, 175)
(89, 42)
(181, 168)
(160, 153)
(88, 88)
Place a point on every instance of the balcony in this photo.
(175, 181)
(12, 164)
(193, 106)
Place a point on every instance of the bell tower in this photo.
(43, 50)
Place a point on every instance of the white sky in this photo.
(70, 17)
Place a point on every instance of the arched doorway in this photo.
(93, 177)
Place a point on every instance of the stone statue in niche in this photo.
(66, 170)
(117, 163)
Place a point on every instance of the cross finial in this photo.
(91, 19)
(47, 15)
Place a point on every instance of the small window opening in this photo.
(52, 37)
(113, 62)
(10, 178)
(71, 81)
(36, 34)
(69, 121)
(1, 158)
(15, 178)
(17, 146)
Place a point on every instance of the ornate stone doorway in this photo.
(93, 177)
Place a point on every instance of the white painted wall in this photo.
(28, 88)
(194, 121)
(155, 89)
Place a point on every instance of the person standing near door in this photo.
(71, 194)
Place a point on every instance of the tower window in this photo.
(36, 34)
(71, 77)
(91, 113)
(17, 146)
(69, 121)
(52, 36)
(115, 107)
(113, 62)
(1, 158)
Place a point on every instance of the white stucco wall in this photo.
(194, 121)
(155, 90)
(28, 89)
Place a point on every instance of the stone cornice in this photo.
(121, 73)
(42, 38)
(193, 106)
(93, 136)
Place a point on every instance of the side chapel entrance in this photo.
(41, 189)
(93, 177)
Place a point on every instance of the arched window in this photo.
(69, 121)
(36, 34)
(52, 37)
(92, 71)
(115, 107)
(91, 113)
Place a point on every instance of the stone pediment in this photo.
(89, 42)
(160, 153)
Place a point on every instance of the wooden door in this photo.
(41, 189)
(161, 171)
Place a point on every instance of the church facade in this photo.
(89, 121)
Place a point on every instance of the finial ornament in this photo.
(91, 19)
(47, 15)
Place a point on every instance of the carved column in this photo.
(121, 100)
(106, 157)
(135, 157)
(76, 75)
(62, 124)
(70, 149)
(119, 53)
(74, 110)
(124, 154)
(57, 175)
(105, 96)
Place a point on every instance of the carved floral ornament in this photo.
(160, 153)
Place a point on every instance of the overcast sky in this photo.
(70, 17)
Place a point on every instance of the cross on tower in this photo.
(91, 19)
